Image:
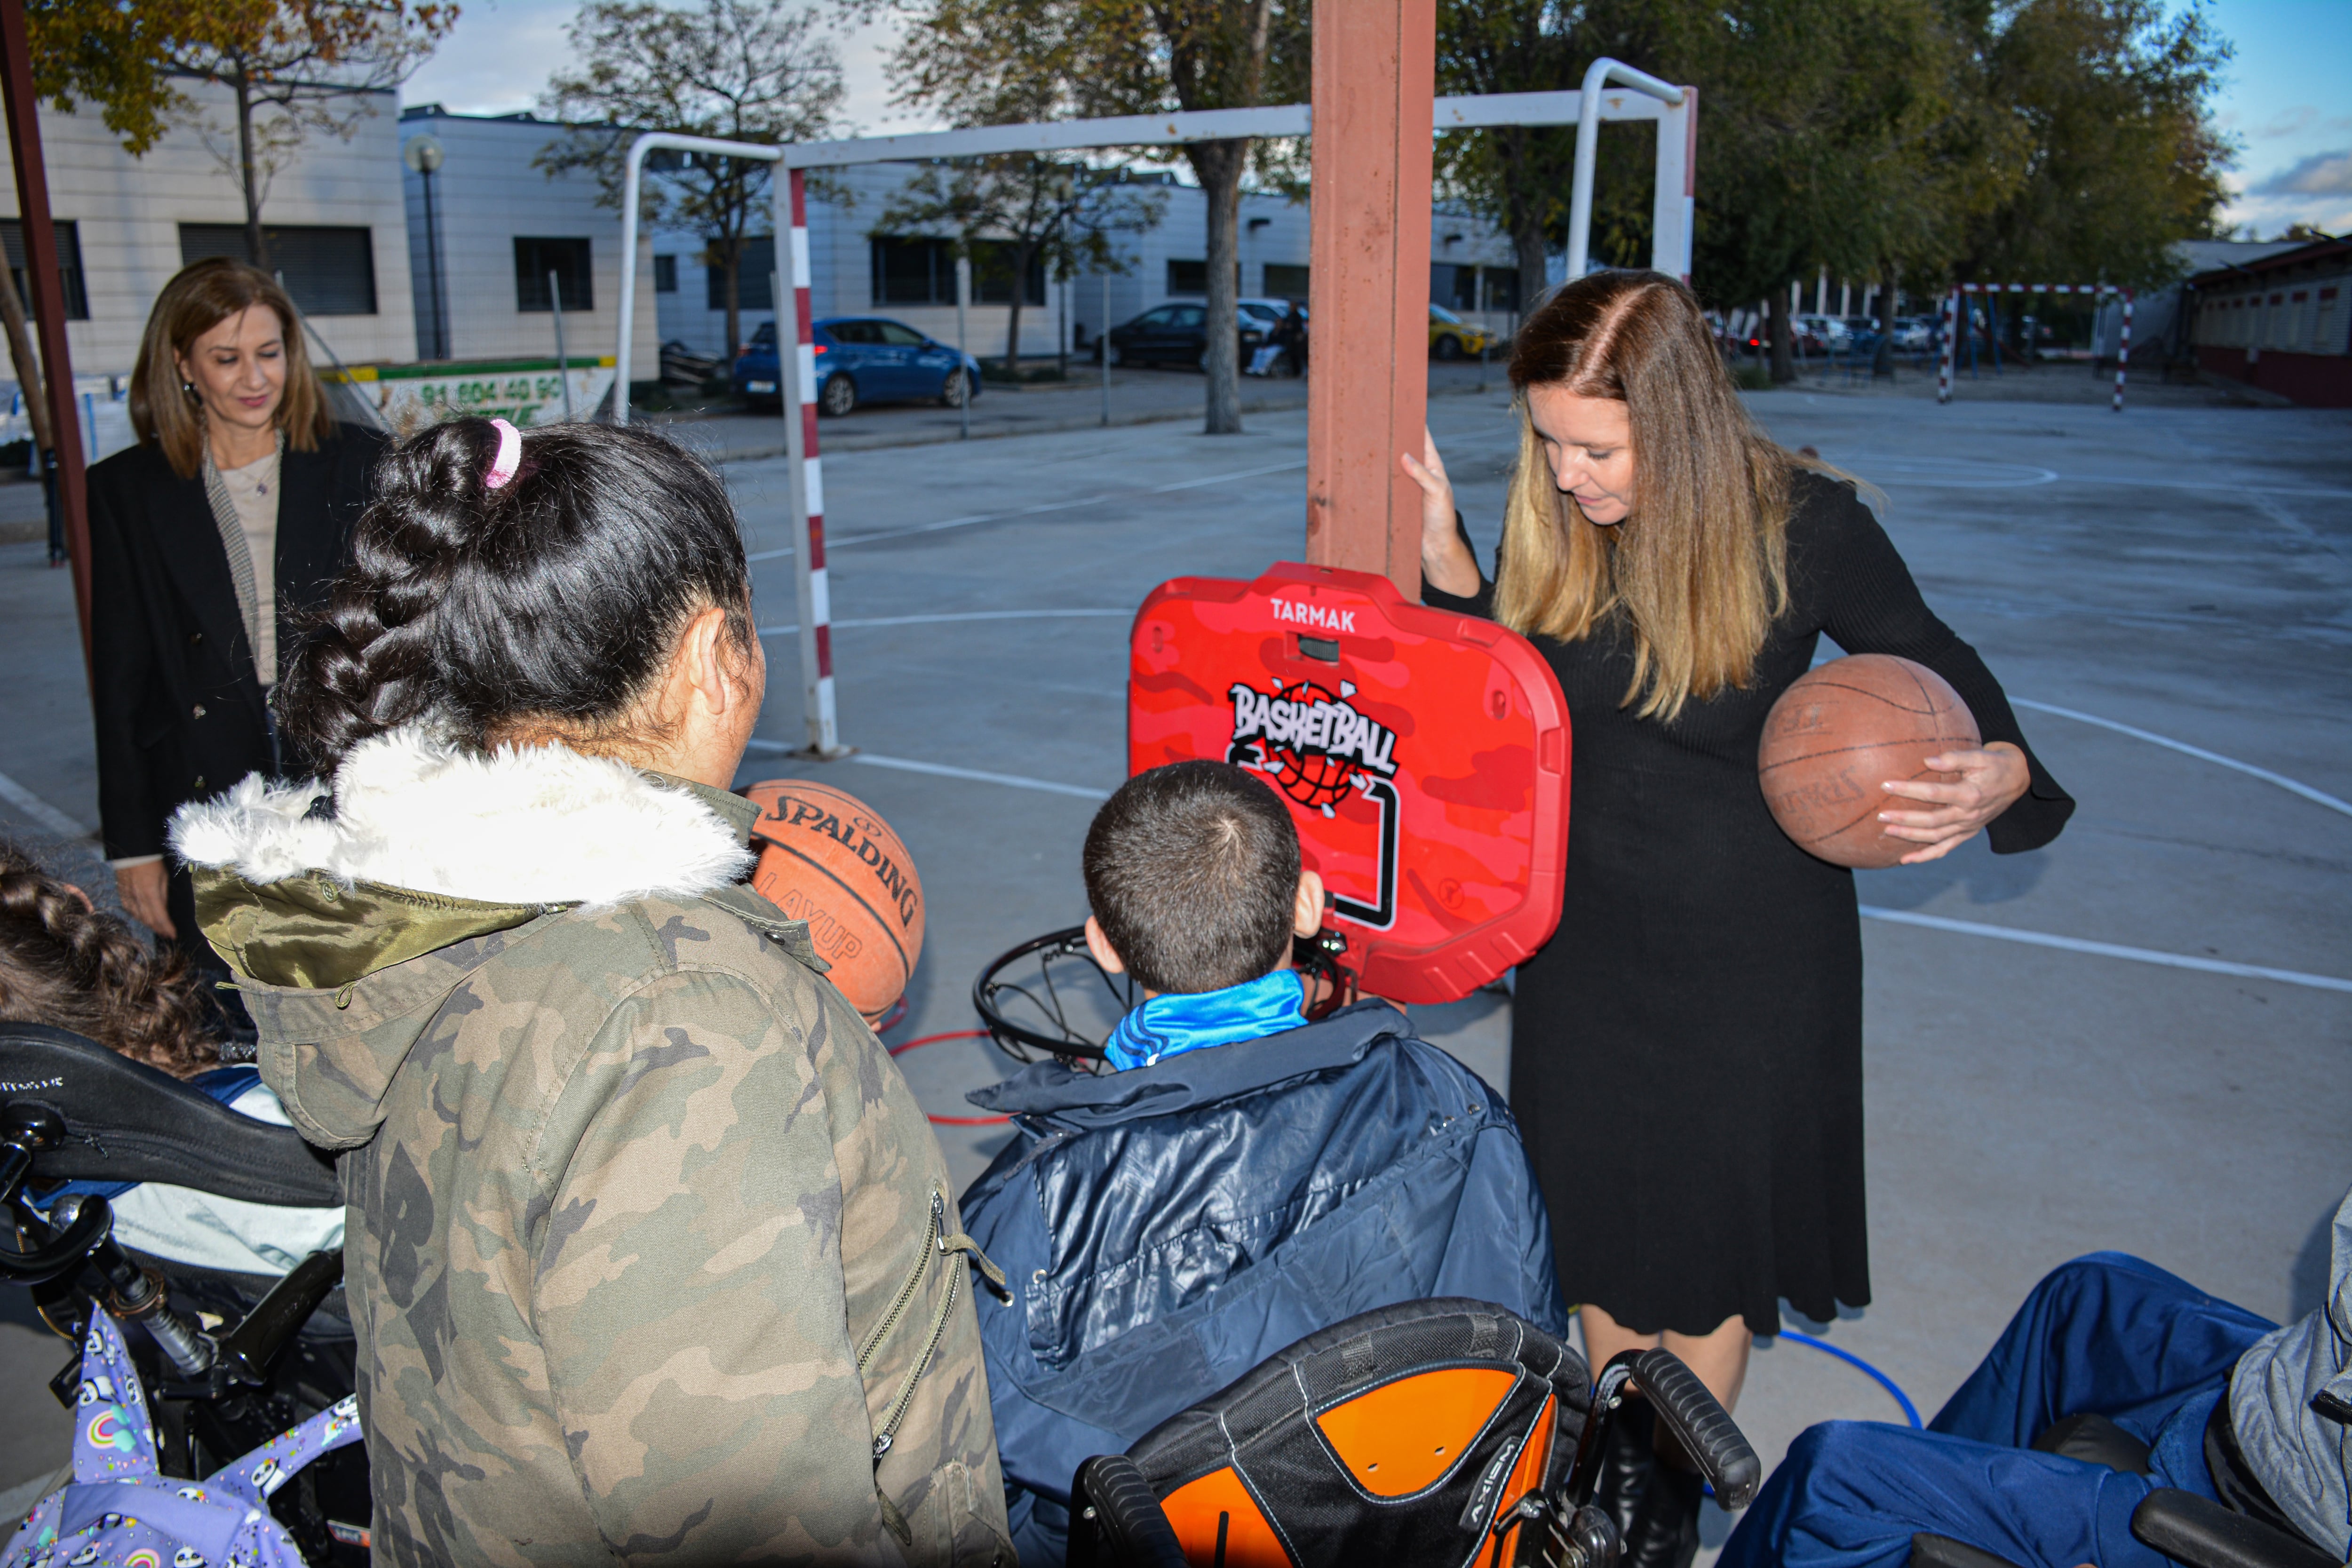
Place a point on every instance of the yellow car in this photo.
(1451, 337)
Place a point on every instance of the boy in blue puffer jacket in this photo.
(1241, 1177)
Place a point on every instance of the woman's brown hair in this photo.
(63, 963)
(200, 296)
(1698, 569)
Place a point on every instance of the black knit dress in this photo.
(1686, 1051)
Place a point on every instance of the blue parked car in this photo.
(862, 359)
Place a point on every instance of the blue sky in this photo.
(2287, 97)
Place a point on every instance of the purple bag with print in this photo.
(118, 1512)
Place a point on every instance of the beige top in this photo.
(252, 489)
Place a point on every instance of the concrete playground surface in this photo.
(2135, 1039)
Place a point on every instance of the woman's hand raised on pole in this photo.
(1446, 563)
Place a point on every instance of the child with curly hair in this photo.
(65, 963)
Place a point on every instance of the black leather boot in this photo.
(1666, 1525)
(1627, 1458)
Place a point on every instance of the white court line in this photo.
(940, 770)
(1038, 510)
(2292, 787)
(2107, 949)
(1869, 912)
(2284, 783)
(955, 615)
(39, 810)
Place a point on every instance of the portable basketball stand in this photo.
(1374, 73)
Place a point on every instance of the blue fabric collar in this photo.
(1171, 1025)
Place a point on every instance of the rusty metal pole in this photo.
(48, 299)
(1368, 387)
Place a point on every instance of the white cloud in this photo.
(2302, 117)
(2320, 175)
(475, 71)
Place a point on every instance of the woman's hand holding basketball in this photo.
(1446, 563)
(1990, 781)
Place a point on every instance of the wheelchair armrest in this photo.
(1943, 1551)
(1116, 1520)
(2201, 1533)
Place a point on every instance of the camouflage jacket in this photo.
(651, 1253)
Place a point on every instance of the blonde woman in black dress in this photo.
(1686, 1051)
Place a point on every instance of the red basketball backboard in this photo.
(1423, 755)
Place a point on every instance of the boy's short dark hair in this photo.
(1191, 872)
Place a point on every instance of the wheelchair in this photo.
(2193, 1530)
(229, 1360)
(1439, 1432)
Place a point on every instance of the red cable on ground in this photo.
(934, 1040)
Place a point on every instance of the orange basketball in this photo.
(827, 858)
(1840, 733)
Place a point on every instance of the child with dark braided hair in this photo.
(652, 1249)
(65, 963)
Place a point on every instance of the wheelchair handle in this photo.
(1116, 1520)
(1697, 1420)
(1701, 1423)
(64, 1252)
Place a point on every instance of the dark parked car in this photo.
(862, 359)
(1176, 334)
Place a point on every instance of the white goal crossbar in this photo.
(1949, 364)
(1636, 96)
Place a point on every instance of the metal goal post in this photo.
(1635, 95)
(1948, 365)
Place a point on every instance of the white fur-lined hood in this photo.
(540, 824)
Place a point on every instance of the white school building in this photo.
(475, 262)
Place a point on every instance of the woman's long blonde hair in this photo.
(200, 296)
(1698, 569)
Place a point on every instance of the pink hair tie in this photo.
(509, 458)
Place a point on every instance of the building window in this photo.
(991, 274)
(921, 271)
(1283, 281)
(912, 272)
(1453, 286)
(11, 235)
(664, 274)
(326, 271)
(567, 258)
(1501, 286)
(1188, 277)
(755, 283)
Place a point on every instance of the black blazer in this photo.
(177, 701)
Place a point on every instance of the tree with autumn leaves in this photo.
(291, 69)
(1920, 141)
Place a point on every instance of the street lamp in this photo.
(422, 154)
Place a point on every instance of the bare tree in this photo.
(294, 67)
(984, 61)
(1023, 212)
(738, 70)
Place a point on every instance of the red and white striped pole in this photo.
(2123, 349)
(796, 381)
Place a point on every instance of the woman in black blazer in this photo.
(209, 539)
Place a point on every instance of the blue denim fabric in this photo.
(2106, 1334)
